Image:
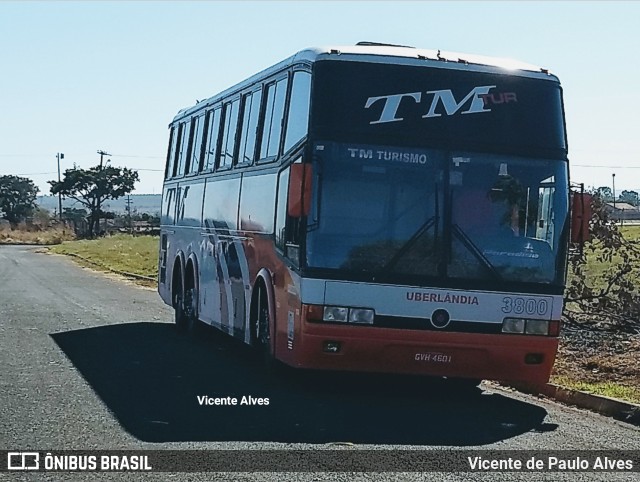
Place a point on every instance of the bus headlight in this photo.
(335, 313)
(361, 315)
(513, 325)
(526, 326)
(537, 327)
(342, 314)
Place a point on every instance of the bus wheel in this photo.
(191, 323)
(179, 315)
(261, 335)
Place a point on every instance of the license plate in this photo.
(432, 357)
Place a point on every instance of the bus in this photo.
(375, 208)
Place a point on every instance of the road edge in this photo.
(620, 410)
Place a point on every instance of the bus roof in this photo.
(387, 54)
(399, 52)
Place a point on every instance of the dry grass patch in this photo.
(48, 236)
(600, 362)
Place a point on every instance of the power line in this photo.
(55, 172)
(142, 157)
(112, 155)
(608, 167)
(36, 173)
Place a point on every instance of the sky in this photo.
(78, 77)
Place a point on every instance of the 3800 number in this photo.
(524, 306)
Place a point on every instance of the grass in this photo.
(607, 389)
(120, 253)
(632, 233)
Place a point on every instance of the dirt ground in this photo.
(593, 356)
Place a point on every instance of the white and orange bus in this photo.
(375, 208)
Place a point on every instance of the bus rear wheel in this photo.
(191, 323)
(179, 315)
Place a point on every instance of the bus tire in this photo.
(261, 331)
(192, 324)
(177, 298)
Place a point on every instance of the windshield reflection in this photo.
(512, 210)
(435, 214)
(376, 208)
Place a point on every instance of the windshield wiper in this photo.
(474, 250)
(424, 227)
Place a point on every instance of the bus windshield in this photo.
(437, 213)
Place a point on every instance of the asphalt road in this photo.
(92, 362)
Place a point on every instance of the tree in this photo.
(630, 197)
(41, 217)
(602, 284)
(17, 198)
(78, 217)
(92, 187)
(605, 193)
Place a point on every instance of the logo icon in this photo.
(23, 461)
(440, 318)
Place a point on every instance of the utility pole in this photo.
(613, 181)
(102, 153)
(129, 214)
(59, 156)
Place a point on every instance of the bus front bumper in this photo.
(504, 357)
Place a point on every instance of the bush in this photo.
(602, 287)
(30, 234)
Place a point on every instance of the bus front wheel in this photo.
(261, 331)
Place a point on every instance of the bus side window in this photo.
(204, 135)
(228, 145)
(298, 121)
(287, 227)
(251, 111)
(168, 206)
(168, 171)
(176, 150)
(190, 146)
(183, 140)
(281, 213)
(213, 135)
(197, 126)
(273, 117)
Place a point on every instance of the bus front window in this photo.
(430, 213)
(507, 216)
(377, 209)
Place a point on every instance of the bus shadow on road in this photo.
(150, 378)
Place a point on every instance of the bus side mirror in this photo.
(299, 201)
(580, 217)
